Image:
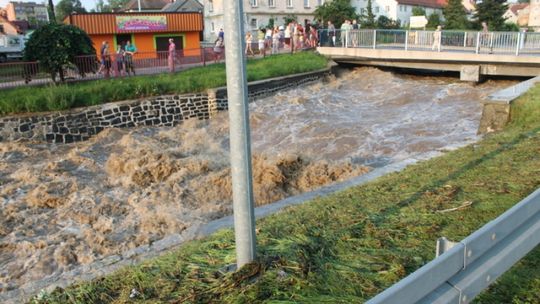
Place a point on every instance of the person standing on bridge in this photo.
(331, 33)
(354, 33)
(437, 39)
(345, 27)
(486, 38)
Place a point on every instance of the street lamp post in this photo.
(240, 147)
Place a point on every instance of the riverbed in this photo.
(62, 206)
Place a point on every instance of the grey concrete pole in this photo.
(244, 218)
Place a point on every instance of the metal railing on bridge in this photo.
(508, 43)
(464, 269)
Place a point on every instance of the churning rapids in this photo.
(63, 206)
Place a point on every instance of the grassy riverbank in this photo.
(347, 247)
(66, 96)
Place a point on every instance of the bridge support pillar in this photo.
(470, 73)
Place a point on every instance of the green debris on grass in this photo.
(79, 94)
(347, 247)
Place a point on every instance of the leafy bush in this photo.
(384, 22)
(56, 46)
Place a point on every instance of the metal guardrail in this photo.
(509, 43)
(470, 266)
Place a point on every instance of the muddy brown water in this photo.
(63, 206)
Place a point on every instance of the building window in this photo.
(254, 3)
(306, 3)
(320, 2)
(289, 3)
(210, 5)
(271, 3)
(387, 8)
(362, 11)
(376, 10)
(253, 23)
(213, 27)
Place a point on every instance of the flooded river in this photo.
(63, 206)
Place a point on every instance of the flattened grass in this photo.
(347, 247)
(66, 96)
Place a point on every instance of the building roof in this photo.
(184, 6)
(146, 5)
(424, 3)
(109, 23)
(515, 8)
(4, 20)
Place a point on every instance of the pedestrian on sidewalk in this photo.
(171, 55)
(129, 52)
(249, 41)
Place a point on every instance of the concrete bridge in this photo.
(473, 54)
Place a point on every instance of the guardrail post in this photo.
(443, 245)
(465, 40)
(406, 40)
(374, 39)
(346, 38)
(477, 42)
(518, 43)
(439, 42)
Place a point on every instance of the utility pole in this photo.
(240, 147)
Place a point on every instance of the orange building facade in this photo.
(149, 32)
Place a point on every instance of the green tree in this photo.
(433, 20)
(510, 27)
(55, 47)
(491, 12)
(50, 10)
(115, 5)
(270, 24)
(289, 18)
(101, 7)
(66, 7)
(367, 20)
(336, 11)
(455, 16)
(418, 11)
(384, 22)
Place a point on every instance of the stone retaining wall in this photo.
(80, 124)
(497, 107)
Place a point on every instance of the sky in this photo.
(88, 4)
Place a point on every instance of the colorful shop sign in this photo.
(141, 23)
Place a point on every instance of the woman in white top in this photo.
(249, 40)
(288, 35)
(275, 41)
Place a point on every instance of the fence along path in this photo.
(15, 74)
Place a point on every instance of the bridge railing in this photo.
(462, 270)
(508, 43)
